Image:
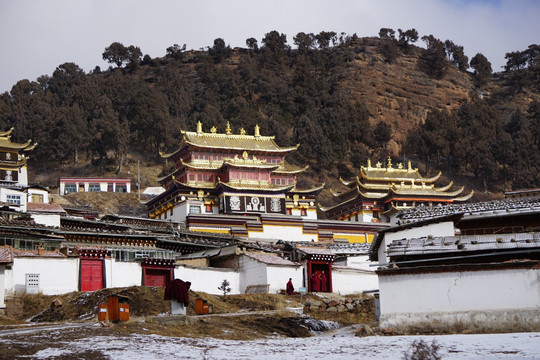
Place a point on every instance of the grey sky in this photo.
(38, 35)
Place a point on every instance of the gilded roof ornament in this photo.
(389, 163)
(228, 129)
(400, 165)
(242, 131)
(378, 165)
(257, 130)
(199, 127)
(213, 130)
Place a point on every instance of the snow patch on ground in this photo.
(335, 344)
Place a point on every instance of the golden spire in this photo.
(409, 166)
(228, 129)
(368, 163)
(389, 162)
(257, 130)
(199, 127)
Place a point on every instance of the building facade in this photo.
(68, 185)
(235, 174)
(379, 192)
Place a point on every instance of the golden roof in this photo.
(230, 141)
(287, 168)
(307, 191)
(6, 143)
(391, 174)
(256, 186)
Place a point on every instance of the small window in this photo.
(303, 212)
(191, 177)
(69, 188)
(208, 208)
(289, 211)
(193, 209)
(14, 199)
(36, 198)
(121, 188)
(94, 187)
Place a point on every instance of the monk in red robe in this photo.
(315, 282)
(290, 287)
(323, 282)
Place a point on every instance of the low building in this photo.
(68, 185)
(470, 267)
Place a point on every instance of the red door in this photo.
(156, 277)
(91, 275)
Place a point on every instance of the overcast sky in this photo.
(38, 35)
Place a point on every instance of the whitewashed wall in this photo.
(51, 220)
(439, 229)
(2, 286)
(348, 280)
(277, 277)
(252, 272)
(57, 275)
(460, 297)
(122, 274)
(208, 279)
(287, 233)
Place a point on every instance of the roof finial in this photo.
(409, 166)
(257, 130)
(228, 129)
(389, 162)
(368, 163)
(199, 127)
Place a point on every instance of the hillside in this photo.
(343, 103)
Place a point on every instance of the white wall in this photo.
(409, 299)
(287, 233)
(347, 280)
(438, 229)
(252, 272)
(52, 220)
(208, 279)
(44, 193)
(57, 275)
(2, 286)
(4, 192)
(122, 274)
(277, 277)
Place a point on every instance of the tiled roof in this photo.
(235, 142)
(315, 251)
(489, 207)
(46, 208)
(6, 254)
(35, 253)
(270, 259)
(463, 244)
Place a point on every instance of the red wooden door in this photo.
(91, 275)
(156, 277)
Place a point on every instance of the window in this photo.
(303, 212)
(14, 199)
(69, 188)
(121, 188)
(36, 198)
(194, 209)
(110, 187)
(94, 187)
(289, 211)
(191, 177)
(208, 208)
